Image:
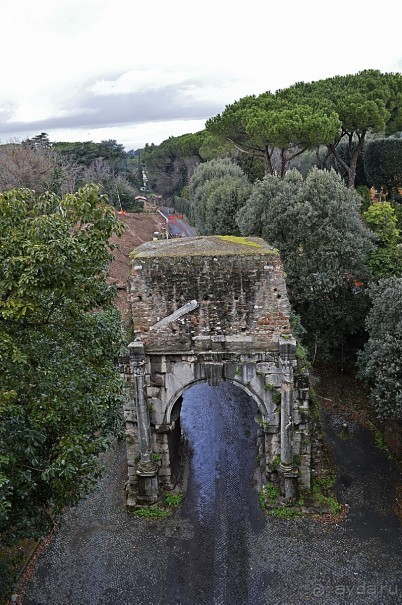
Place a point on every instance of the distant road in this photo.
(180, 228)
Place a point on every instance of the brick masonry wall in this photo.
(237, 295)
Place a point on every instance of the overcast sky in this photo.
(139, 72)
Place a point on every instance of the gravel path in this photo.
(219, 549)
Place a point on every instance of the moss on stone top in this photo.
(215, 245)
(240, 240)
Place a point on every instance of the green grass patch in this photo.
(380, 442)
(239, 240)
(205, 246)
(262, 422)
(161, 509)
(173, 500)
(323, 496)
(286, 512)
(268, 495)
(320, 500)
(276, 394)
(154, 511)
(274, 465)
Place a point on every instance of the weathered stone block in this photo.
(152, 391)
(157, 380)
(274, 380)
(232, 371)
(130, 416)
(297, 440)
(297, 417)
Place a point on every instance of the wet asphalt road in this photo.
(219, 548)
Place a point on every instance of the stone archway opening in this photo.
(208, 421)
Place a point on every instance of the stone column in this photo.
(288, 474)
(146, 469)
(286, 416)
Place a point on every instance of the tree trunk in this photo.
(354, 156)
(332, 149)
(283, 163)
(267, 160)
(323, 161)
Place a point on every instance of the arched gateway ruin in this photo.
(211, 309)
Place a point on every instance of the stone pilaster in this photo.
(146, 469)
(288, 473)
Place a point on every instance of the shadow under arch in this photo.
(171, 413)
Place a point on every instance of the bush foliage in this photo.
(59, 337)
(381, 359)
(316, 224)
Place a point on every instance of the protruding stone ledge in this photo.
(165, 428)
(271, 429)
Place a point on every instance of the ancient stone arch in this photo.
(263, 410)
(212, 309)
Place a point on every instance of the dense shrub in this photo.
(386, 259)
(383, 164)
(218, 189)
(316, 224)
(381, 359)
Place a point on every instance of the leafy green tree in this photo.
(366, 102)
(36, 165)
(188, 145)
(365, 196)
(386, 259)
(119, 163)
(59, 337)
(260, 125)
(380, 361)
(396, 203)
(222, 204)
(383, 164)
(170, 165)
(214, 169)
(88, 151)
(252, 166)
(40, 140)
(110, 149)
(217, 190)
(168, 170)
(316, 225)
(213, 147)
(81, 152)
(202, 145)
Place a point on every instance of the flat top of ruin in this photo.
(215, 245)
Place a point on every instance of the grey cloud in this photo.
(5, 114)
(90, 111)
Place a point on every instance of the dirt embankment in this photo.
(139, 228)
